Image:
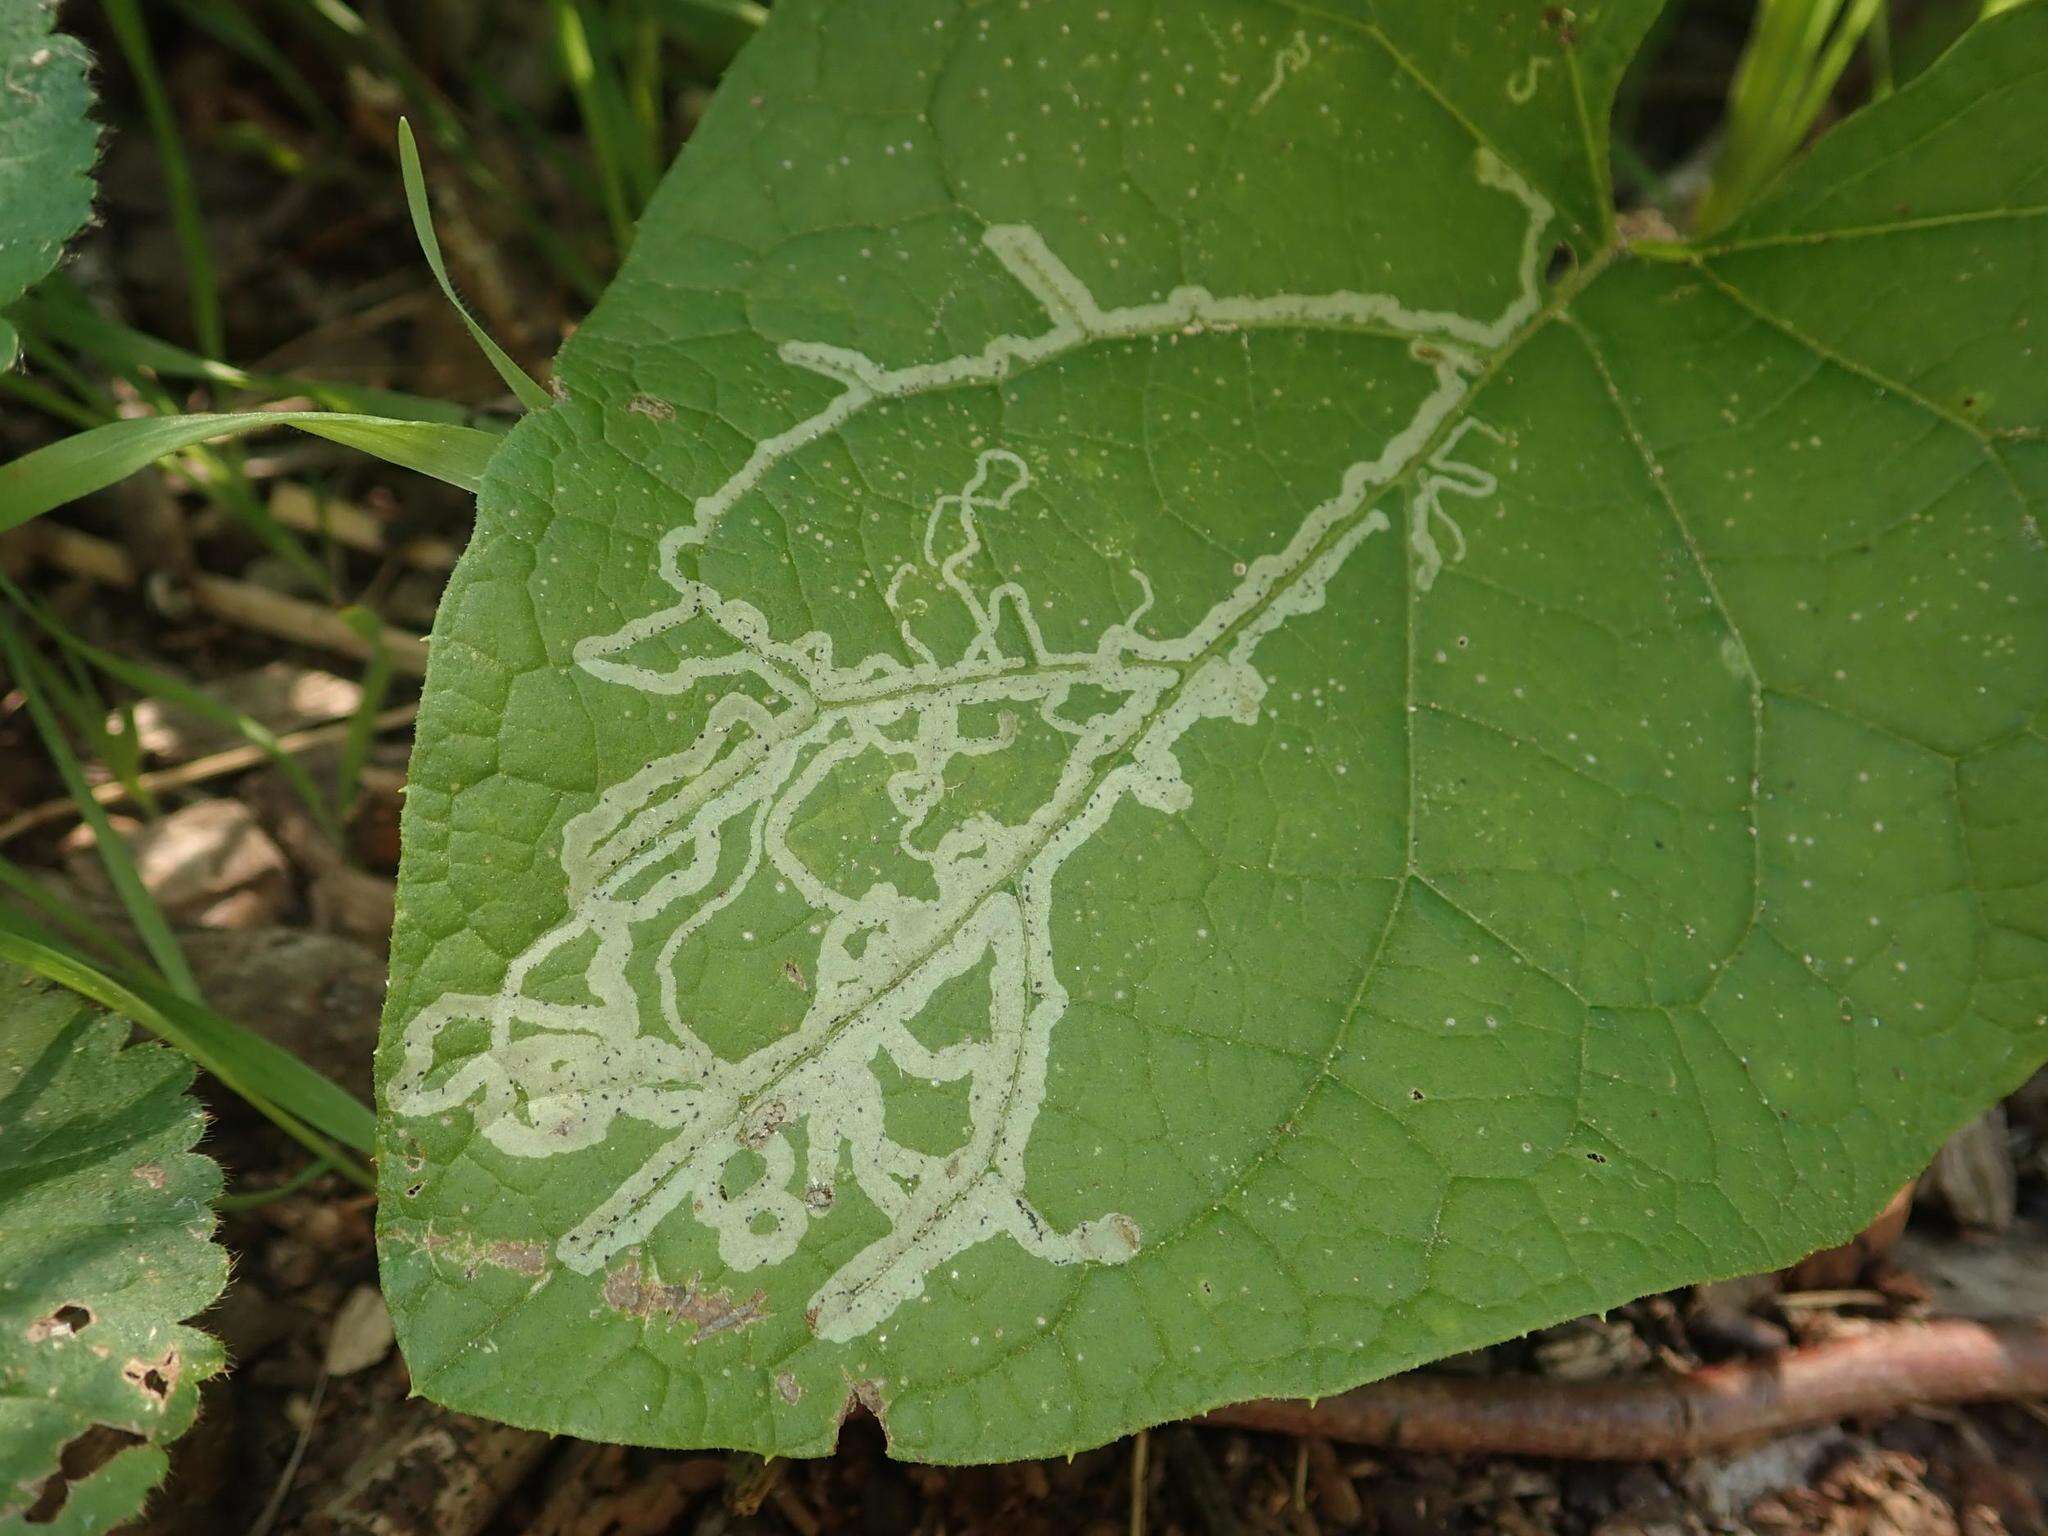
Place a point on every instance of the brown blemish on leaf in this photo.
(651, 407)
(1643, 224)
(788, 1388)
(758, 1130)
(151, 1174)
(628, 1290)
(521, 1257)
(795, 973)
(65, 1322)
(157, 1379)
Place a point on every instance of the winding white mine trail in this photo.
(664, 851)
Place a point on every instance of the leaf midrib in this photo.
(1567, 291)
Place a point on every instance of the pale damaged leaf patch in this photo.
(1078, 778)
(557, 1075)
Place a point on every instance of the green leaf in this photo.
(1155, 726)
(105, 1245)
(47, 146)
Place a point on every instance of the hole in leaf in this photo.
(70, 1319)
(82, 1456)
(1562, 259)
(155, 1379)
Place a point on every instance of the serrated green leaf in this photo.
(105, 1245)
(1155, 727)
(47, 146)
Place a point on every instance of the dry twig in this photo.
(434, 1473)
(200, 770)
(300, 509)
(1655, 1418)
(235, 602)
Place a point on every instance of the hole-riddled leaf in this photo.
(47, 146)
(105, 1228)
(1155, 726)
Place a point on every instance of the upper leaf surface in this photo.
(105, 1232)
(1151, 729)
(47, 146)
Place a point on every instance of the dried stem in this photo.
(1670, 1418)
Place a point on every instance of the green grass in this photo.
(1789, 71)
(124, 17)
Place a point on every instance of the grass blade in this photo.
(93, 460)
(530, 394)
(42, 398)
(265, 1073)
(337, 24)
(125, 18)
(31, 676)
(229, 24)
(151, 683)
(55, 309)
(601, 103)
(1794, 58)
(82, 931)
(319, 1114)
